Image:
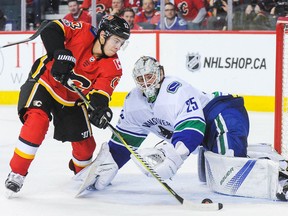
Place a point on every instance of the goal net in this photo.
(281, 88)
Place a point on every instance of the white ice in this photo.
(50, 190)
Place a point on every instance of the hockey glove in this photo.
(163, 159)
(102, 114)
(63, 65)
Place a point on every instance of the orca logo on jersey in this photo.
(165, 132)
(193, 61)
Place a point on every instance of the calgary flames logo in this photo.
(114, 82)
(100, 8)
(183, 8)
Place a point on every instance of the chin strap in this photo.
(102, 45)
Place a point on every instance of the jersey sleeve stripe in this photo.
(58, 22)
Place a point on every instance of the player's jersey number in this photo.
(191, 105)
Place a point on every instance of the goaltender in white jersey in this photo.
(188, 119)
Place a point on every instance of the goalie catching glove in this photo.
(63, 65)
(102, 114)
(164, 160)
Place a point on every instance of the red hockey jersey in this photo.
(89, 72)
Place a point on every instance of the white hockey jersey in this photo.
(177, 114)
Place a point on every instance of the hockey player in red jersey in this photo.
(75, 51)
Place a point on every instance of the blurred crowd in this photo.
(146, 14)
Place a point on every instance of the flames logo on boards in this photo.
(1, 62)
(193, 61)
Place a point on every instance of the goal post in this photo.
(281, 88)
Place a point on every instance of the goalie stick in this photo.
(185, 203)
(32, 37)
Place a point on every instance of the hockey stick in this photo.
(186, 203)
(32, 37)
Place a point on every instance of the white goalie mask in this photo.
(147, 76)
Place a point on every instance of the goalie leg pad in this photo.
(100, 172)
(264, 150)
(201, 164)
(239, 176)
(106, 171)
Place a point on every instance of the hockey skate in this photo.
(13, 183)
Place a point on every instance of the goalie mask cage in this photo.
(281, 88)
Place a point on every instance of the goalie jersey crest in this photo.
(193, 61)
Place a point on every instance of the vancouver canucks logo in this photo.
(173, 87)
(193, 61)
(165, 132)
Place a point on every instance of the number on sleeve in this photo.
(191, 105)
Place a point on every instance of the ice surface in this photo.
(50, 190)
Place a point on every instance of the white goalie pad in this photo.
(265, 150)
(257, 178)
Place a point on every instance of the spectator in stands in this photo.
(239, 13)
(129, 15)
(217, 15)
(102, 7)
(171, 20)
(51, 6)
(117, 7)
(148, 18)
(76, 13)
(193, 11)
(3, 20)
(157, 4)
(259, 15)
(134, 4)
(279, 10)
(33, 13)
